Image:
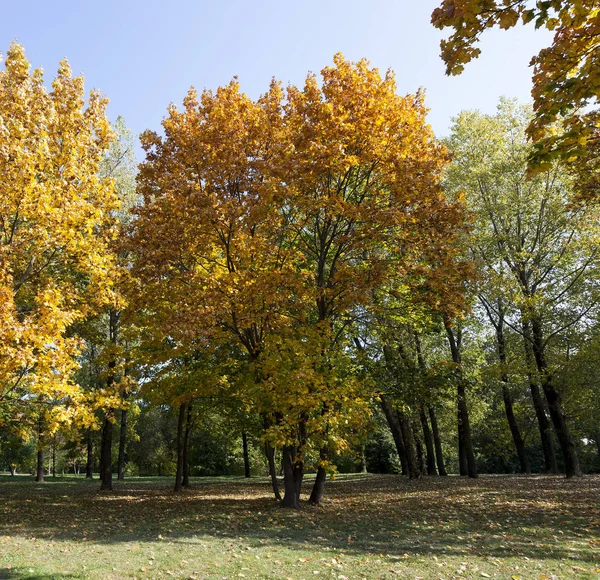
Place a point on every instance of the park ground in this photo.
(370, 526)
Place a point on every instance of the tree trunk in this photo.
(550, 464)
(420, 455)
(409, 445)
(100, 467)
(598, 441)
(545, 428)
(40, 453)
(107, 431)
(53, 455)
(13, 469)
(463, 470)
(293, 468)
(467, 458)
(122, 439)
(318, 489)
(179, 441)
(507, 397)
(246, 455)
(439, 455)
(514, 429)
(428, 443)
(465, 442)
(89, 465)
(185, 482)
(362, 463)
(422, 415)
(299, 463)
(554, 401)
(40, 466)
(394, 426)
(270, 453)
(106, 452)
(291, 496)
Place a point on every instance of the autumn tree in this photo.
(55, 230)
(283, 215)
(366, 193)
(565, 77)
(210, 188)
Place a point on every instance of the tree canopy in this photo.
(566, 85)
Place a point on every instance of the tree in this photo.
(366, 195)
(209, 188)
(283, 215)
(565, 78)
(56, 226)
(536, 251)
(119, 165)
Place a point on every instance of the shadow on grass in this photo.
(499, 517)
(29, 574)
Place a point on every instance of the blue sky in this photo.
(145, 54)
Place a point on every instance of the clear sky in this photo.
(144, 54)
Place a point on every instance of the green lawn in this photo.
(369, 527)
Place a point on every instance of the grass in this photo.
(370, 526)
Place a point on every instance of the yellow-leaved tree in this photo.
(272, 222)
(363, 187)
(55, 228)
